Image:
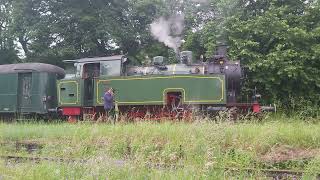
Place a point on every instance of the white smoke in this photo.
(168, 30)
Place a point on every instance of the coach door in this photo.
(24, 92)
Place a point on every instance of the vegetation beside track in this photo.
(159, 150)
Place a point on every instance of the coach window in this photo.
(110, 68)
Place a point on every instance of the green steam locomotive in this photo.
(156, 91)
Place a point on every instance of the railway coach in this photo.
(29, 89)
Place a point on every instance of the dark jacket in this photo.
(108, 101)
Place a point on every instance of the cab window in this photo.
(110, 68)
(78, 69)
(91, 70)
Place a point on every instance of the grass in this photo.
(157, 151)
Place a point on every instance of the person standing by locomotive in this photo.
(109, 103)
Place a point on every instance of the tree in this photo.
(278, 47)
(8, 53)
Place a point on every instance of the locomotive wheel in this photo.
(157, 113)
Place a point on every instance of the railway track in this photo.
(21, 159)
(39, 159)
(271, 173)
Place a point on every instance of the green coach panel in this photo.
(34, 92)
(8, 93)
(42, 93)
(195, 89)
(69, 92)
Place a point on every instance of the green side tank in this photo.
(137, 85)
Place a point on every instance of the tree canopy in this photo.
(278, 42)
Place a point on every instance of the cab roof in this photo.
(95, 59)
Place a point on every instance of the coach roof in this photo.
(31, 67)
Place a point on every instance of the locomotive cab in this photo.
(78, 91)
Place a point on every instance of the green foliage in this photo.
(8, 56)
(276, 41)
(278, 47)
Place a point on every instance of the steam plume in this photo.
(168, 30)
